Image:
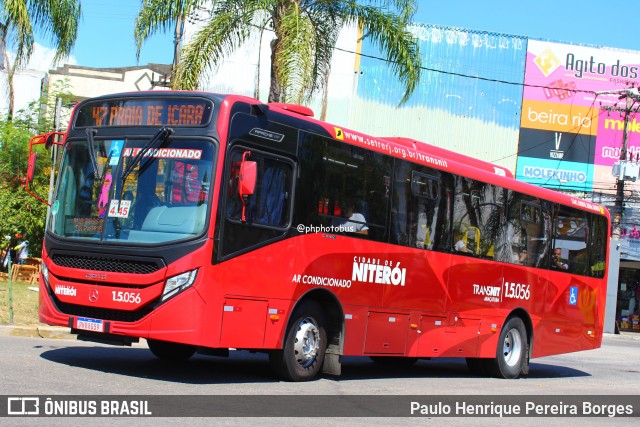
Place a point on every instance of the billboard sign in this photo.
(567, 123)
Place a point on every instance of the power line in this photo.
(631, 96)
(604, 184)
(453, 73)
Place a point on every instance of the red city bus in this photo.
(204, 222)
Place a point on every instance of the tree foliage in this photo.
(57, 19)
(306, 32)
(20, 212)
(21, 19)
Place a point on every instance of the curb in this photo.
(37, 331)
(623, 336)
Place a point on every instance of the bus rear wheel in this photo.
(170, 350)
(305, 344)
(511, 354)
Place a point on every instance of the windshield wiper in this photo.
(92, 150)
(160, 138)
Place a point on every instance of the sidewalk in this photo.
(37, 331)
(624, 335)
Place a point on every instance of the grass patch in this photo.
(25, 304)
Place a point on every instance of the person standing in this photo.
(21, 250)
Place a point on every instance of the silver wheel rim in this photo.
(512, 347)
(307, 342)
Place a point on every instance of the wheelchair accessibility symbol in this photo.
(573, 295)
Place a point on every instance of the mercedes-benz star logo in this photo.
(93, 295)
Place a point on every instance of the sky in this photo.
(105, 37)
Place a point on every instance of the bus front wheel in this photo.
(305, 344)
(170, 350)
(511, 353)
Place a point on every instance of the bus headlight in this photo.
(179, 283)
(45, 272)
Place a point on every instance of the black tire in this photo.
(511, 354)
(305, 344)
(171, 351)
(394, 361)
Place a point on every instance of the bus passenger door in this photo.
(570, 304)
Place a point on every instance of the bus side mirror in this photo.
(247, 177)
(48, 140)
(31, 166)
(52, 138)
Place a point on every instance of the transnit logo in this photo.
(490, 293)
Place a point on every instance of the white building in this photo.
(87, 82)
(27, 88)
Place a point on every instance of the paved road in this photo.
(54, 367)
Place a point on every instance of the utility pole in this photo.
(619, 202)
(624, 169)
(177, 42)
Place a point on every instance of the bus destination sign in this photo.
(145, 112)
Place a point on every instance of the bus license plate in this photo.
(87, 324)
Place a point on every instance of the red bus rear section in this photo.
(204, 222)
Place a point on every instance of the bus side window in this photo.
(350, 188)
(598, 246)
(419, 207)
(525, 230)
(269, 205)
(477, 213)
(267, 212)
(570, 242)
(234, 204)
(425, 189)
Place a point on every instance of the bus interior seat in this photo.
(177, 219)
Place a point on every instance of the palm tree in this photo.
(162, 15)
(305, 36)
(57, 19)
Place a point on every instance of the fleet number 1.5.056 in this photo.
(131, 297)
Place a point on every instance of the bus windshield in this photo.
(134, 191)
